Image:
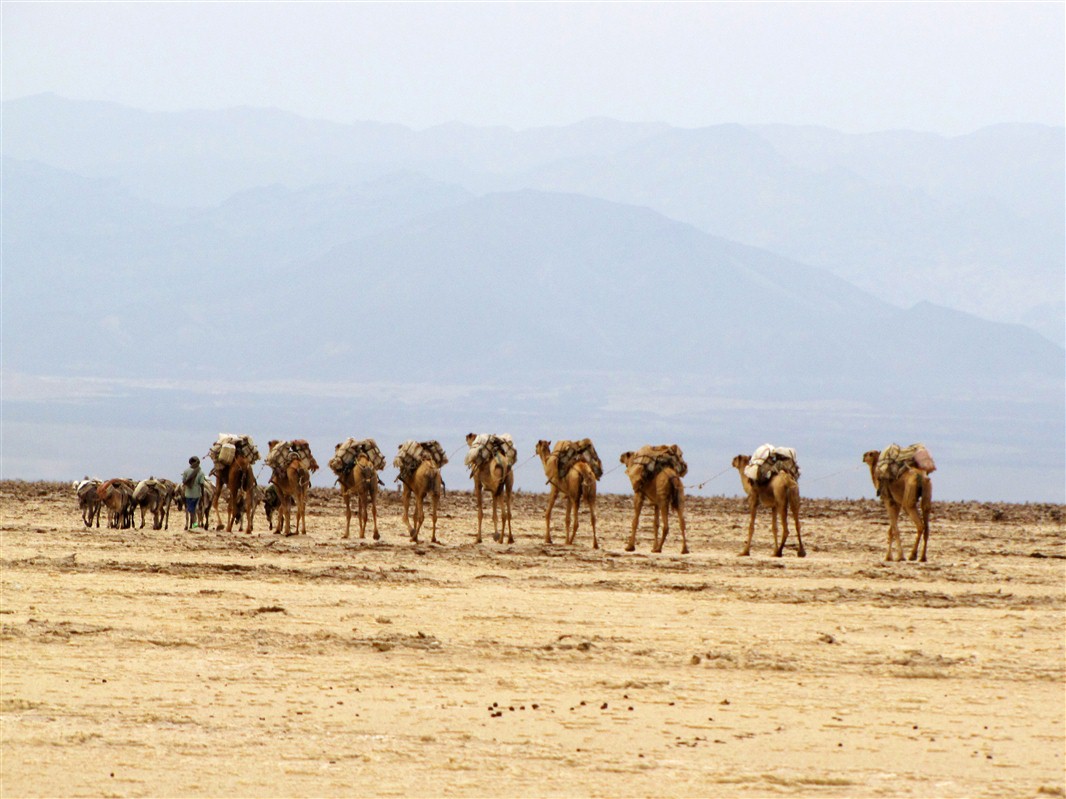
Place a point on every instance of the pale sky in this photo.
(939, 66)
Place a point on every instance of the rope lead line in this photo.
(834, 474)
(709, 479)
(527, 460)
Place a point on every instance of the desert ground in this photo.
(167, 663)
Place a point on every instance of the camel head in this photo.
(543, 448)
(740, 461)
(271, 444)
(871, 457)
(625, 457)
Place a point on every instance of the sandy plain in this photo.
(167, 663)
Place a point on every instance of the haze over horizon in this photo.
(943, 68)
(718, 172)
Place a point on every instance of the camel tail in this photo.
(677, 491)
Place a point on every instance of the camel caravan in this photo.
(572, 468)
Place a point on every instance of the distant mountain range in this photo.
(971, 222)
(599, 274)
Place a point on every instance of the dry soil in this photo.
(166, 663)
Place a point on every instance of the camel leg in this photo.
(780, 509)
(572, 536)
(283, 517)
(420, 510)
(433, 503)
(496, 536)
(592, 520)
(301, 514)
(412, 530)
(282, 502)
(232, 506)
(507, 516)
(347, 514)
(552, 494)
(893, 531)
(665, 513)
(362, 513)
(794, 503)
(927, 507)
(753, 506)
(681, 519)
(480, 510)
(284, 509)
(216, 503)
(775, 509)
(374, 509)
(251, 505)
(638, 503)
(912, 512)
(420, 515)
(571, 517)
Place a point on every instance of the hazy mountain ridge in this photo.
(893, 239)
(434, 273)
(972, 222)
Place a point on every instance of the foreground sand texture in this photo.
(164, 663)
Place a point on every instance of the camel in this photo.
(424, 480)
(117, 496)
(664, 490)
(292, 482)
(780, 494)
(911, 489)
(361, 481)
(237, 477)
(578, 482)
(496, 477)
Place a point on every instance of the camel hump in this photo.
(486, 447)
(894, 460)
(283, 453)
(228, 446)
(570, 453)
(653, 459)
(411, 454)
(768, 461)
